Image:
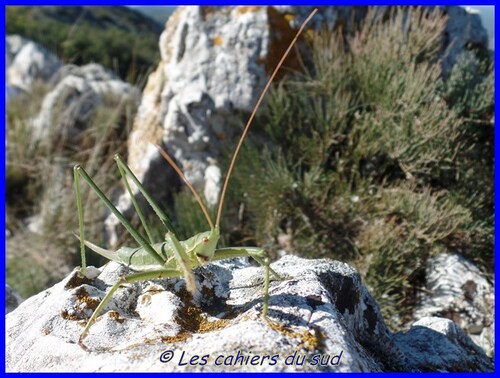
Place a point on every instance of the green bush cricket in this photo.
(171, 258)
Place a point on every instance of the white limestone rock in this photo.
(27, 62)
(68, 108)
(437, 344)
(320, 310)
(457, 290)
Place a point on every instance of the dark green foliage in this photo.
(469, 91)
(116, 37)
(374, 158)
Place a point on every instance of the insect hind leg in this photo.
(262, 257)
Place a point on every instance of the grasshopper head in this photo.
(205, 245)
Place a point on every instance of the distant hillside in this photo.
(158, 13)
(117, 37)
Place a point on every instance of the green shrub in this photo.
(404, 226)
(367, 157)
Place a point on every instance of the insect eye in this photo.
(204, 240)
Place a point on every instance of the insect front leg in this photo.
(258, 254)
(79, 206)
(183, 261)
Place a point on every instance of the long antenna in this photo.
(190, 186)
(254, 111)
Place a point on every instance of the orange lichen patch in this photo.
(247, 9)
(282, 34)
(65, 314)
(313, 339)
(217, 41)
(78, 313)
(209, 326)
(220, 136)
(152, 288)
(289, 17)
(116, 315)
(193, 321)
(183, 336)
(83, 297)
(77, 280)
(310, 339)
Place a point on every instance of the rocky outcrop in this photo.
(27, 62)
(457, 290)
(213, 66)
(78, 90)
(67, 110)
(323, 319)
(437, 344)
